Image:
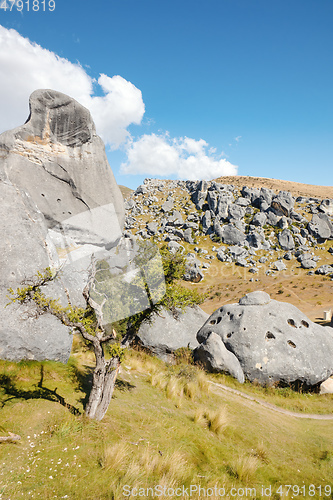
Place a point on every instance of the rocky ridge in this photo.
(257, 229)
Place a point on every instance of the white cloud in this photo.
(184, 158)
(26, 66)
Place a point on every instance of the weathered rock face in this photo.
(59, 160)
(215, 357)
(273, 341)
(166, 332)
(57, 192)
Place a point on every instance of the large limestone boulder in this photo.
(59, 204)
(213, 355)
(273, 341)
(166, 332)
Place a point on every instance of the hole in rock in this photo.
(218, 320)
(58, 200)
(269, 336)
(42, 194)
(291, 322)
(244, 328)
(305, 323)
(229, 335)
(291, 344)
(212, 322)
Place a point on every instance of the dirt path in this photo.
(270, 406)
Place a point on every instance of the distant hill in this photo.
(295, 188)
(125, 191)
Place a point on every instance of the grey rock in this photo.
(237, 252)
(167, 206)
(308, 264)
(192, 269)
(243, 202)
(320, 227)
(278, 265)
(235, 212)
(55, 181)
(167, 332)
(174, 246)
(266, 195)
(283, 222)
(326, 206)
(272, 218)
(215, 357)
(258, 298)
(295, 230)
(256, 240)
(259, 219)
(288, 256)
(297, 217)
(141, 190)
(324, 269)
(221, 255)
(199, 196)
(286, 240)
(263, 259)
(206, 221)
(152, 227)
(264, 206)
(231, 235)
(273, 341)
(188, 236)
(251, 193)
(283, 203)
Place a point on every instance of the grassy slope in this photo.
(151, 435)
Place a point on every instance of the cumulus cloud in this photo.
(184, 158)
(26, 66)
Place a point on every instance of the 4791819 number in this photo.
(27, 5)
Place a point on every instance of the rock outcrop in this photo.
(59, 204)
(249, 218)
(166, 332)
(273, 341)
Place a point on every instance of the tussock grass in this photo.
(114, 456)
(181, 380)
(216, 421)
(261, 452)
(245, 467)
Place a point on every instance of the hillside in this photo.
(172, 211)
(165, 426)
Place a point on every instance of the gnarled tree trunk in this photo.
(104, 381)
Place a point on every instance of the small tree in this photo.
(89, 321)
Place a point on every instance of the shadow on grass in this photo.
(81, 379)
(123, 385)
(11, 390)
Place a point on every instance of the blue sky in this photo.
(220, 86)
